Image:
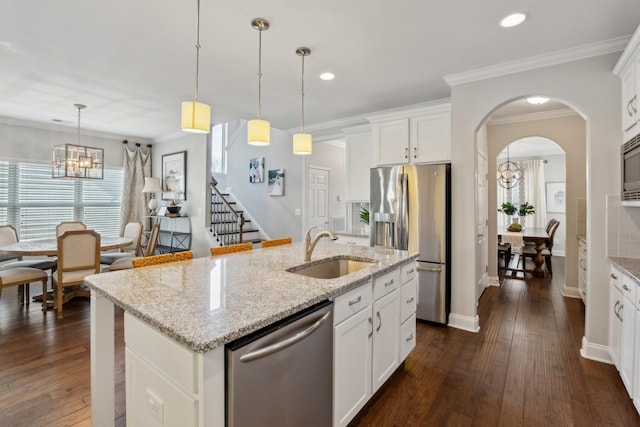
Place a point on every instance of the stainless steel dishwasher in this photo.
(282, 375)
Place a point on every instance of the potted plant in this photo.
(526, 209)
(364, 215)
(508, 208)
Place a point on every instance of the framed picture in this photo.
(276, 182)
(555, 197)
(174, 176)
(256, 169)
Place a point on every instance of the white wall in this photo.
(198, 177)
(590, 87)
(276, 215)
(331, 157)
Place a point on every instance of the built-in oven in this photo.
(630, 169)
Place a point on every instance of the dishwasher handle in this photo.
(274, 348)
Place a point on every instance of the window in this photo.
(34, 203)
(219, 148)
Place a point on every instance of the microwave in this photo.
(631, 170)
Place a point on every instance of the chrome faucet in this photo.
(309, 246)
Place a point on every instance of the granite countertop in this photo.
(207, 302)
(630, 266)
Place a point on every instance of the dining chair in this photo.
(516, 242)
(22, 276)
(78, 257)
(162, 259)
(504, 253)
(9, 235)
(127, 262)
(275, 242)
(69, 225)
(133, 231)
(229, 249)
(547, 252)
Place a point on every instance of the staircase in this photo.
(229, 225)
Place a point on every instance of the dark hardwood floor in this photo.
(522, 369)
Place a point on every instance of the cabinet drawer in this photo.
(351, 302)
(386, 283)
(615, 277)
(629, 289)
(407, 337)
(408, 300)
(172, 359)
(408, 272)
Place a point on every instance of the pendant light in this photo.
(77, 161)
(196, 116)
(509, 173)
(302, 142)
(258, 130)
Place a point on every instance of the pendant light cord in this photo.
(197, 49)
(302, 94)
(79, 108)
(260, 72)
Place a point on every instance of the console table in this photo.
(175, 233)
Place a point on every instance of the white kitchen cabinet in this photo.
(627, 314)
(417, 136)
(386, 338)
(369, 339)
(391, 142)
(582, 269)
(352, 366)
(636, 366)
(359, 160)
(615, 325)
(628, 70)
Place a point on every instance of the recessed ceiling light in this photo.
(513, 20)
(537, 100)
(327, 76)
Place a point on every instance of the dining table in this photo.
(536, 235)
(49, 246)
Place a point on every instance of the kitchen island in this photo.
(179, 316)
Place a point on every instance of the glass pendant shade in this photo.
(196, 117)
(302, 143)
(258, 132)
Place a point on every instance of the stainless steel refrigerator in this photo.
(410, 209)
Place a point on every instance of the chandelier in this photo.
(259, 130)
(77, 161)
(509, 173)
(302, 142)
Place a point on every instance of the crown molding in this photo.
(531, 117)
(55, 127)
(332, 124)
(431, 107)
(540, 61)
(628, 52)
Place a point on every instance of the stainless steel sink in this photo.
(333, 267)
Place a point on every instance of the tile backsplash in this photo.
(623, 229)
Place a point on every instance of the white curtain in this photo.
(136, 166)
(534, 192)
(502, 196)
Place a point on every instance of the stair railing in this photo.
(225, 222)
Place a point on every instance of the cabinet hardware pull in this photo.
(410, 337)
(614, 277)
(388, 283)
(410, 271)
(629, 108)
(371, 324)
(620, 312)
(406, 152)
(355, 301)
(410, 300)
(380, 319)
(415, 152)
(626, 288)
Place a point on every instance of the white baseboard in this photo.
(466, 323)
(570, 292)
(597, 352)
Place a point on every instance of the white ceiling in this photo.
(132, 62)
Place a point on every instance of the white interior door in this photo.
(482, 263)
(318, 199)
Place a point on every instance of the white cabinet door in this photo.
(627, 342)
(351, 366)
(431, 138)
(391, 142)
(386, 337)
(615, 324)
(636, 366)
(629, 101)
(407, 337)
(359, 161)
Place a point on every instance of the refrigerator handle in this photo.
(402, 226)
(434, 269)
